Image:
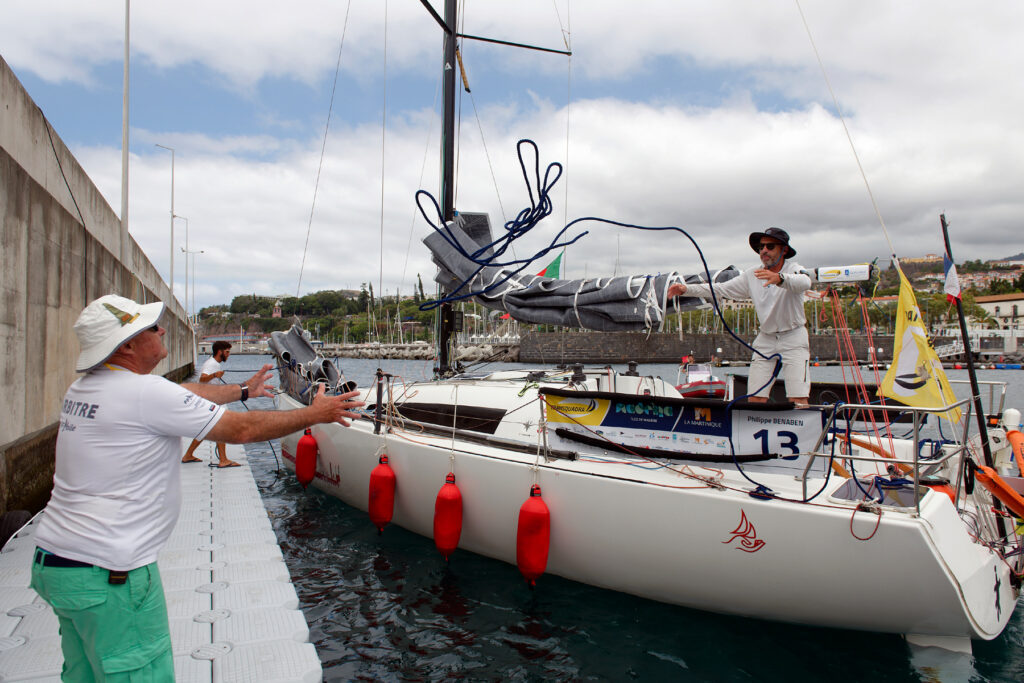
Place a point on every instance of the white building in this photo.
(1008, 309)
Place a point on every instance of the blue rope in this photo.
(527, 219)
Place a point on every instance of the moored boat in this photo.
(759, 510)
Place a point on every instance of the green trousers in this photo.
(109, 632)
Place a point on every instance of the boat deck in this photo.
(233, 611)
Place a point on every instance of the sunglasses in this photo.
(155, 328)
(769, 246)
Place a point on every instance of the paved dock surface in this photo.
(233, 610)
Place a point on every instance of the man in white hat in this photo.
(777, 291)
(116, 489)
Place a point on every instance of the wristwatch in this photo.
(245, 392)
(781, 279)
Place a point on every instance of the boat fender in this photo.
(1016, 440)
(448, 517)
(305, 458)
(533, 537)
(998, 487)
(382, 494)
(969, 468)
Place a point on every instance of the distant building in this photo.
(927, 258)
(277, 310)
(1007, 309)
(1007, 263)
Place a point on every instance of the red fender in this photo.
(305, 458)
(448, 517)
(533, 537)
(382, 494)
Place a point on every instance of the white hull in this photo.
(661, 535)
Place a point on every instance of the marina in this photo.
(512, 502)
(233, 611)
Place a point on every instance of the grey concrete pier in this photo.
(63, 246)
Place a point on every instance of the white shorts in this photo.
(793, 346)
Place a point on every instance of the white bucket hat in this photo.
(107, 323)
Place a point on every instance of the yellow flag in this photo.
(916, 377)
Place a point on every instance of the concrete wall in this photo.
(662, 347)
(61, 246)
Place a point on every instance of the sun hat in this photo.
(775, 233)
(107, 323)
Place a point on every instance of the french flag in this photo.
(952, 286)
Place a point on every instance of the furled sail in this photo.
(628, 302)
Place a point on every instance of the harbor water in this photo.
(387, 607)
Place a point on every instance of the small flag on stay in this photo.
(952, 286)
(554, 268)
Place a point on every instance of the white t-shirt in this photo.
(780, 308)
(210, 367)
(116, 489)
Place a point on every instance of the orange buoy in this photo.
(998, 487)
(448, 517)
(533, 537)
(1016, 440)
(382, 494)
(305, 458)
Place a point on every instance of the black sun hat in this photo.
(775, 233)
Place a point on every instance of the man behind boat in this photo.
(117, 492)
(777, 291)
(213, 369)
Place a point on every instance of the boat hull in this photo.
(666, 537)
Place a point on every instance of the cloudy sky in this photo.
(711, 116)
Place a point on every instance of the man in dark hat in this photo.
(777, 291)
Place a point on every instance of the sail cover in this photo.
(627, 302)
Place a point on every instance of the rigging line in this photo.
(423, 169)
(383, 148)
(323, 148)
(567, 39)
(483, 141)
(842, 120)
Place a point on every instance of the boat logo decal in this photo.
(575, 406)
(643, 409)
(999, 607)
(747, 536)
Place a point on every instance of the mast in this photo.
(444, 365)
(969, 355)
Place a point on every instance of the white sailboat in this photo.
(757, 510)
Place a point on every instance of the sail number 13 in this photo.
(788, 441)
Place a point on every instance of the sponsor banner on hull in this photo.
(646, 423)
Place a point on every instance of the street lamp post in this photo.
(171, 150)
(195, 315)
(186, 260)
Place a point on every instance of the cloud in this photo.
(709, 116)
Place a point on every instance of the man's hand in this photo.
(257, 383)
(770, 277)
(336, 408)
(677, 289)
